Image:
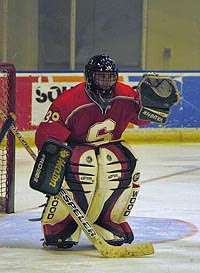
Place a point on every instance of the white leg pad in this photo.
(117, 189)
(81, 179)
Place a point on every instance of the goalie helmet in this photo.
(101, 75)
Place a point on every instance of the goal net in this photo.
(7, 145)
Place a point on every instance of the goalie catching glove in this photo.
(158, 94)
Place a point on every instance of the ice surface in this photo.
(167, 213)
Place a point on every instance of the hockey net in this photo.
(7, 146)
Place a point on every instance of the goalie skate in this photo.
(59, 243)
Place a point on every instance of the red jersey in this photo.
(74, 117)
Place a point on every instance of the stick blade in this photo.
(137, 250)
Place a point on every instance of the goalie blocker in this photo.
(49, 169)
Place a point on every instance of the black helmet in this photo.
(101, 75)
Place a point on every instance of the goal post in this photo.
(7, 145)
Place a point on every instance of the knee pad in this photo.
(80, 181)
(118, 186)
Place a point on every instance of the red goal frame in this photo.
(7, 147)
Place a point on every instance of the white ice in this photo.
(170, 190)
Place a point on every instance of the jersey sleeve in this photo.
(52, 127)
(135, 105)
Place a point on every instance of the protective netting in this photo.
(7, 146)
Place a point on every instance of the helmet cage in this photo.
(104, 81)
(101, 75)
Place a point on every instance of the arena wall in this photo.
(36, 90)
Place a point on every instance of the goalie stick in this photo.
(101, 245)
(19, 136)
(107, 250)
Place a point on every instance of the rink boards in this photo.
(41, 88)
